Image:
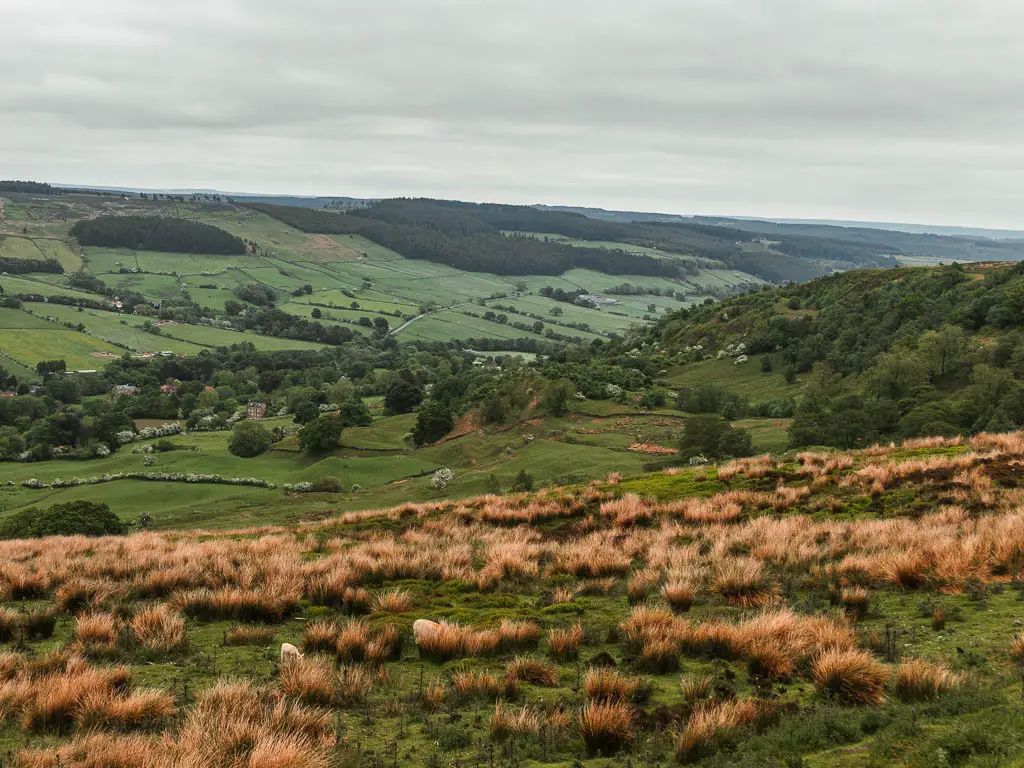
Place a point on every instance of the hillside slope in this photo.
(885, 353)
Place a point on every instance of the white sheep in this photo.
(424, 627)
(289, 652)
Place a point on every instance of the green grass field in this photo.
(117, 328)
(79, 351)
(746, 380)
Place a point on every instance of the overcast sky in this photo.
(892, 110)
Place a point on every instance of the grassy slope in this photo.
(979, 724)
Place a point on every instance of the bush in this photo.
(72, 518)
(354, 413)
(713, 437)
(402, 397)
(327, 484)
(249, 439)
(433, 422)
(321, 434)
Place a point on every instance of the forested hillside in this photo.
(423, 230)
(469, 236)
(886, 353)
(156, 233)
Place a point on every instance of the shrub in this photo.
(327, 484)
(322, 434)
(83, 518)
(433, 422)
(850, 676)
(606, 728)
(249, 439)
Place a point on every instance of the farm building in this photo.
(256, 411)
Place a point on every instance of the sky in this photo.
(883, 110)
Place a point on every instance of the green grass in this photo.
(37, 284)
(16, 319)
(220, 337)
(746, 379)
(121, 329)
(80, 352)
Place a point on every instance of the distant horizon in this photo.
(917, 227)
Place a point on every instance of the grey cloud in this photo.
(906, 109)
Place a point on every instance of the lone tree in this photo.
(249, 439)
(433, 422)
(322, 434)
(556, 397)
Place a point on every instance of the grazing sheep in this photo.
(424, 627)
(289, 652)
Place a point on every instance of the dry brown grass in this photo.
(242, 635)
(518, 635)
(713, 723)
(159, 628)
(352, 640)
(743, 582)
(919, 680)
(695, 687)
(1017, 647)
(469, 683)
(850, 676)
(533, 670)
(96, 632)
(506, 722)
(309, 679)
(353, 682)
(393, 601)
(142, 708)
(606, 727)
(679, 594)
(565, 643)
(608, 685)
